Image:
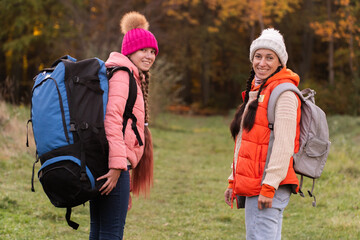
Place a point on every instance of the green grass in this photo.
(192, 162)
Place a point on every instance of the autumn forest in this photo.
(203, 63)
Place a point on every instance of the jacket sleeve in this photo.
(284, 139)
(118, 94)
(236, 152)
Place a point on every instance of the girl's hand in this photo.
(112, 177)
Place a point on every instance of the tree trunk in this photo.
(307, 44)
(205, 79)
(331, 49)
(186, 93)
(354, 74)
(205, 57)
(261, 21)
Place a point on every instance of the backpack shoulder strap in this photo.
(130, 100)
(132, 87)
(275, 94)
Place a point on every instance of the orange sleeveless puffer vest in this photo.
(251, 159)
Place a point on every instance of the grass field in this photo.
(192, 162)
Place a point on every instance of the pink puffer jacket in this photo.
(122, 150)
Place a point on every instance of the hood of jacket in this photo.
(118, 59)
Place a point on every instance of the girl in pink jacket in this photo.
(138, 52)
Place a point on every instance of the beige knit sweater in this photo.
(284, 134)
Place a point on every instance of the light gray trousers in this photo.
(266, 223)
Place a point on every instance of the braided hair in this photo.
(236, 122)
(249, 118)
(142, 174)
(145, 91)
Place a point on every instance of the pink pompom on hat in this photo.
(134, 26)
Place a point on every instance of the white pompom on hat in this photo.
(273, 40)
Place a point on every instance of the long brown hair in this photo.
(142, 174)
(249, 118)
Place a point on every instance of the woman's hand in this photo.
(228, 195)
(112, 177)
(264, 202)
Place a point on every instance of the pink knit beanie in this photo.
(134, 26)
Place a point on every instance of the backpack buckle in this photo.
(76, 79)
(301, 193)
(72, 127)
(84, 126)
(83, 176)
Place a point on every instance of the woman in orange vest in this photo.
(265, 191)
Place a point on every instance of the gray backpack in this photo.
(314, 148)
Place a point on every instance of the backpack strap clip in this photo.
(72, 126)
(312, 195)
(83, 176)
(33, 172)
(300, 186)
(27, 132)
(84, 126)
(76, 79)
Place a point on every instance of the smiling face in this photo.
(143, 58)
(265, 63)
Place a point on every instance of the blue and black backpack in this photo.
(68, 106)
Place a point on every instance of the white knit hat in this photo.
(273, 40)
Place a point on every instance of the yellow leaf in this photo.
(25, 62)
(41, 67)
(36, 31)
(213, 29)
(93, 9)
